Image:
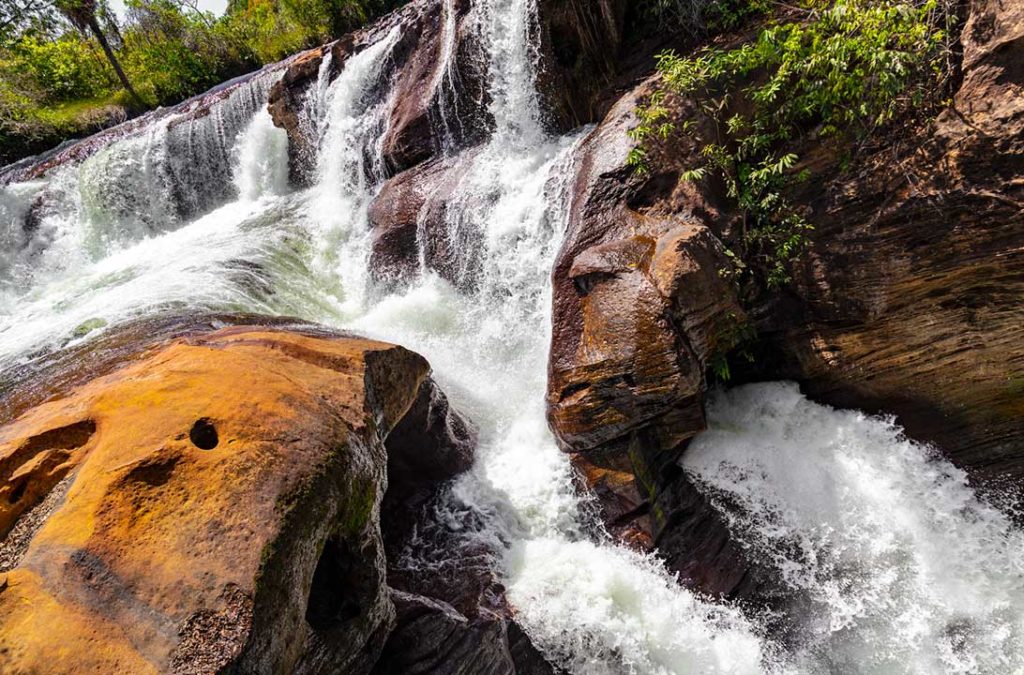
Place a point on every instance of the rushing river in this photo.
(897, 566)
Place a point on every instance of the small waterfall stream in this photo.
(901, 568)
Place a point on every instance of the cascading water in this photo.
(898, 567)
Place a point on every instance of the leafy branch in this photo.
(843, 70)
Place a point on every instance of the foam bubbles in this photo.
(898, 566)
(616, 611)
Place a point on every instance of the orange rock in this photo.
(215, 485)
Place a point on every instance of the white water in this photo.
(594, 607)
(899, 567)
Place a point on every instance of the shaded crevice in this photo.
(204, 434)
(332, 598)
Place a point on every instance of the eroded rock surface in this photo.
(640, 310)
(906, 302)
(210, 501)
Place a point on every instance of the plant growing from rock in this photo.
(839, 69)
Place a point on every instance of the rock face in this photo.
(579, 45)
(439, 94)
(640, 309)
(909, 299)
(213, 504)
(907, 302)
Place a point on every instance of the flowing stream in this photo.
(897, 566)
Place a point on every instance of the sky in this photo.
(215, 6)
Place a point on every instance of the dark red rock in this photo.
(431, 444)
(579, 46)
(411, 226)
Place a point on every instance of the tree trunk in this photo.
(94, 25)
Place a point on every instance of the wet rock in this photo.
(441, 92)
(439, 72)
(432, 637)
(286, 103)
(640, 310)
(905, 303)
(432, 444)
(579, 54)
(205, 494)
(76, 151)
(452, 616)
(908, 301)
(411, 225)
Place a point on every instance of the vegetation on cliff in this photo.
(837, 70)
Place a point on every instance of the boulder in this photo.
(411, 228)
(222, 509)
(204, 494)
(640, 310)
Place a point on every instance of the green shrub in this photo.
(695, 17)
(63, 69)
(844, 70)
(171, 55)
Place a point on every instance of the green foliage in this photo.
(269, 33)
(733, 341)
(55, 81)
(66, 68)
(170, 54)
(843, 70)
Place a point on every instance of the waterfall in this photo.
(181, 166)
(350, 167)
(894, 563)
(446, 82)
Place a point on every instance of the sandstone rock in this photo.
(907, 302)
(640, 309)
(431, 444)
(909, 299)
(223, 510)
(285, 105)
(579, 48)
(439, 69)
(204, 494)
(441, 93)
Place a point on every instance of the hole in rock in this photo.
(331, 598)
(204, 434)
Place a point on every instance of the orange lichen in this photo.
(154, 528)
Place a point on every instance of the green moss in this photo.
(89, 326)
(357, 509)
